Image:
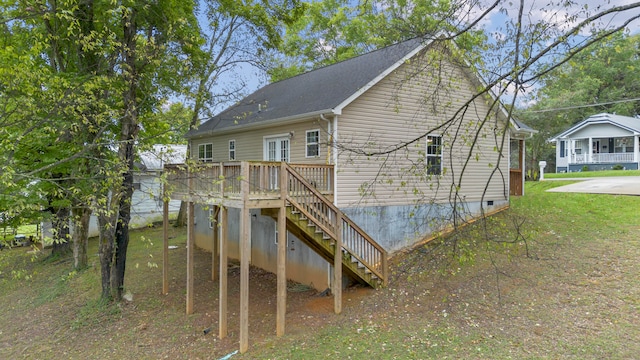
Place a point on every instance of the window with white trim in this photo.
(205, 152)
(434, 155)
(313, 143)
(211, 222)
(232, 149)
(563, 152)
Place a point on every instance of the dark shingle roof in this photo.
(314, 92)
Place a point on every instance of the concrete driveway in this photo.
(621, 185)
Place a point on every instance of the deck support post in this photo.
(222, 291)
(215, 246)
(282, 255)
(245, 256)
(190, 249)
(337, 268)
(165, 244)
(190, 238)
(521, 155)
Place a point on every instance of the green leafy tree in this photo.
(336, 30)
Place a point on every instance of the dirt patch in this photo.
(573, 299)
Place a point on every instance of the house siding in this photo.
(389, 114)
(250, 143)
(601, 131)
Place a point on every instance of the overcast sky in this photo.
(553, 11)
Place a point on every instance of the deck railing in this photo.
(225, 179)
(603, 158)
(307, 188)
(304, 197)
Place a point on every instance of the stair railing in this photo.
(306, 199)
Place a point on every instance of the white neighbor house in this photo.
(146, 202)
(599, 142)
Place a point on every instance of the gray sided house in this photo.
(599, 142)
(336, 127)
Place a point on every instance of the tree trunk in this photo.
(128, 136)
(60, 223)
(81, 217)
(105, 251)
(122, 228)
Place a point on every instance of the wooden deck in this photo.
(300, 199)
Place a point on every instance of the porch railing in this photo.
(225, 179)
(308, 188)
(602, 158)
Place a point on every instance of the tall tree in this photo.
(336, 30)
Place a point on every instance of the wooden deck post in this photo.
(222, 291)
(165, 244)
(215, 263)
(337, 268)
(282, 255)
(245, 255)
(190, 249)
(190, 237)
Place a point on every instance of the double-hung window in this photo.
(205, 152)
(232, 149)
(434, 155)
(313, 143)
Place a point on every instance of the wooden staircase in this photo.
(314, 219)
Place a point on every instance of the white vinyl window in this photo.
(313, 143)
(434, 155)
(205, 152)
(232, 149)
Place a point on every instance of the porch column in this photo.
(190, 240)
(337, 268)
(215, 266)
(635, 149)
(282, 255)
(522, 165)
(190, 249)
(165, 244)
(590, 150)
(222, 288)
(245, 256)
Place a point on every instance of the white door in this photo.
(276, 149)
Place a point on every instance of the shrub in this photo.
(617, 167)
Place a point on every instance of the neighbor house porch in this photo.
(598, 153)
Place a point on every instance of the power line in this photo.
(584, 106)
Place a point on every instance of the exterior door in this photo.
(276, 149)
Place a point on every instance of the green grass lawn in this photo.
(554, 277)
(583, 174)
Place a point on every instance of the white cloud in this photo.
(562, 17)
